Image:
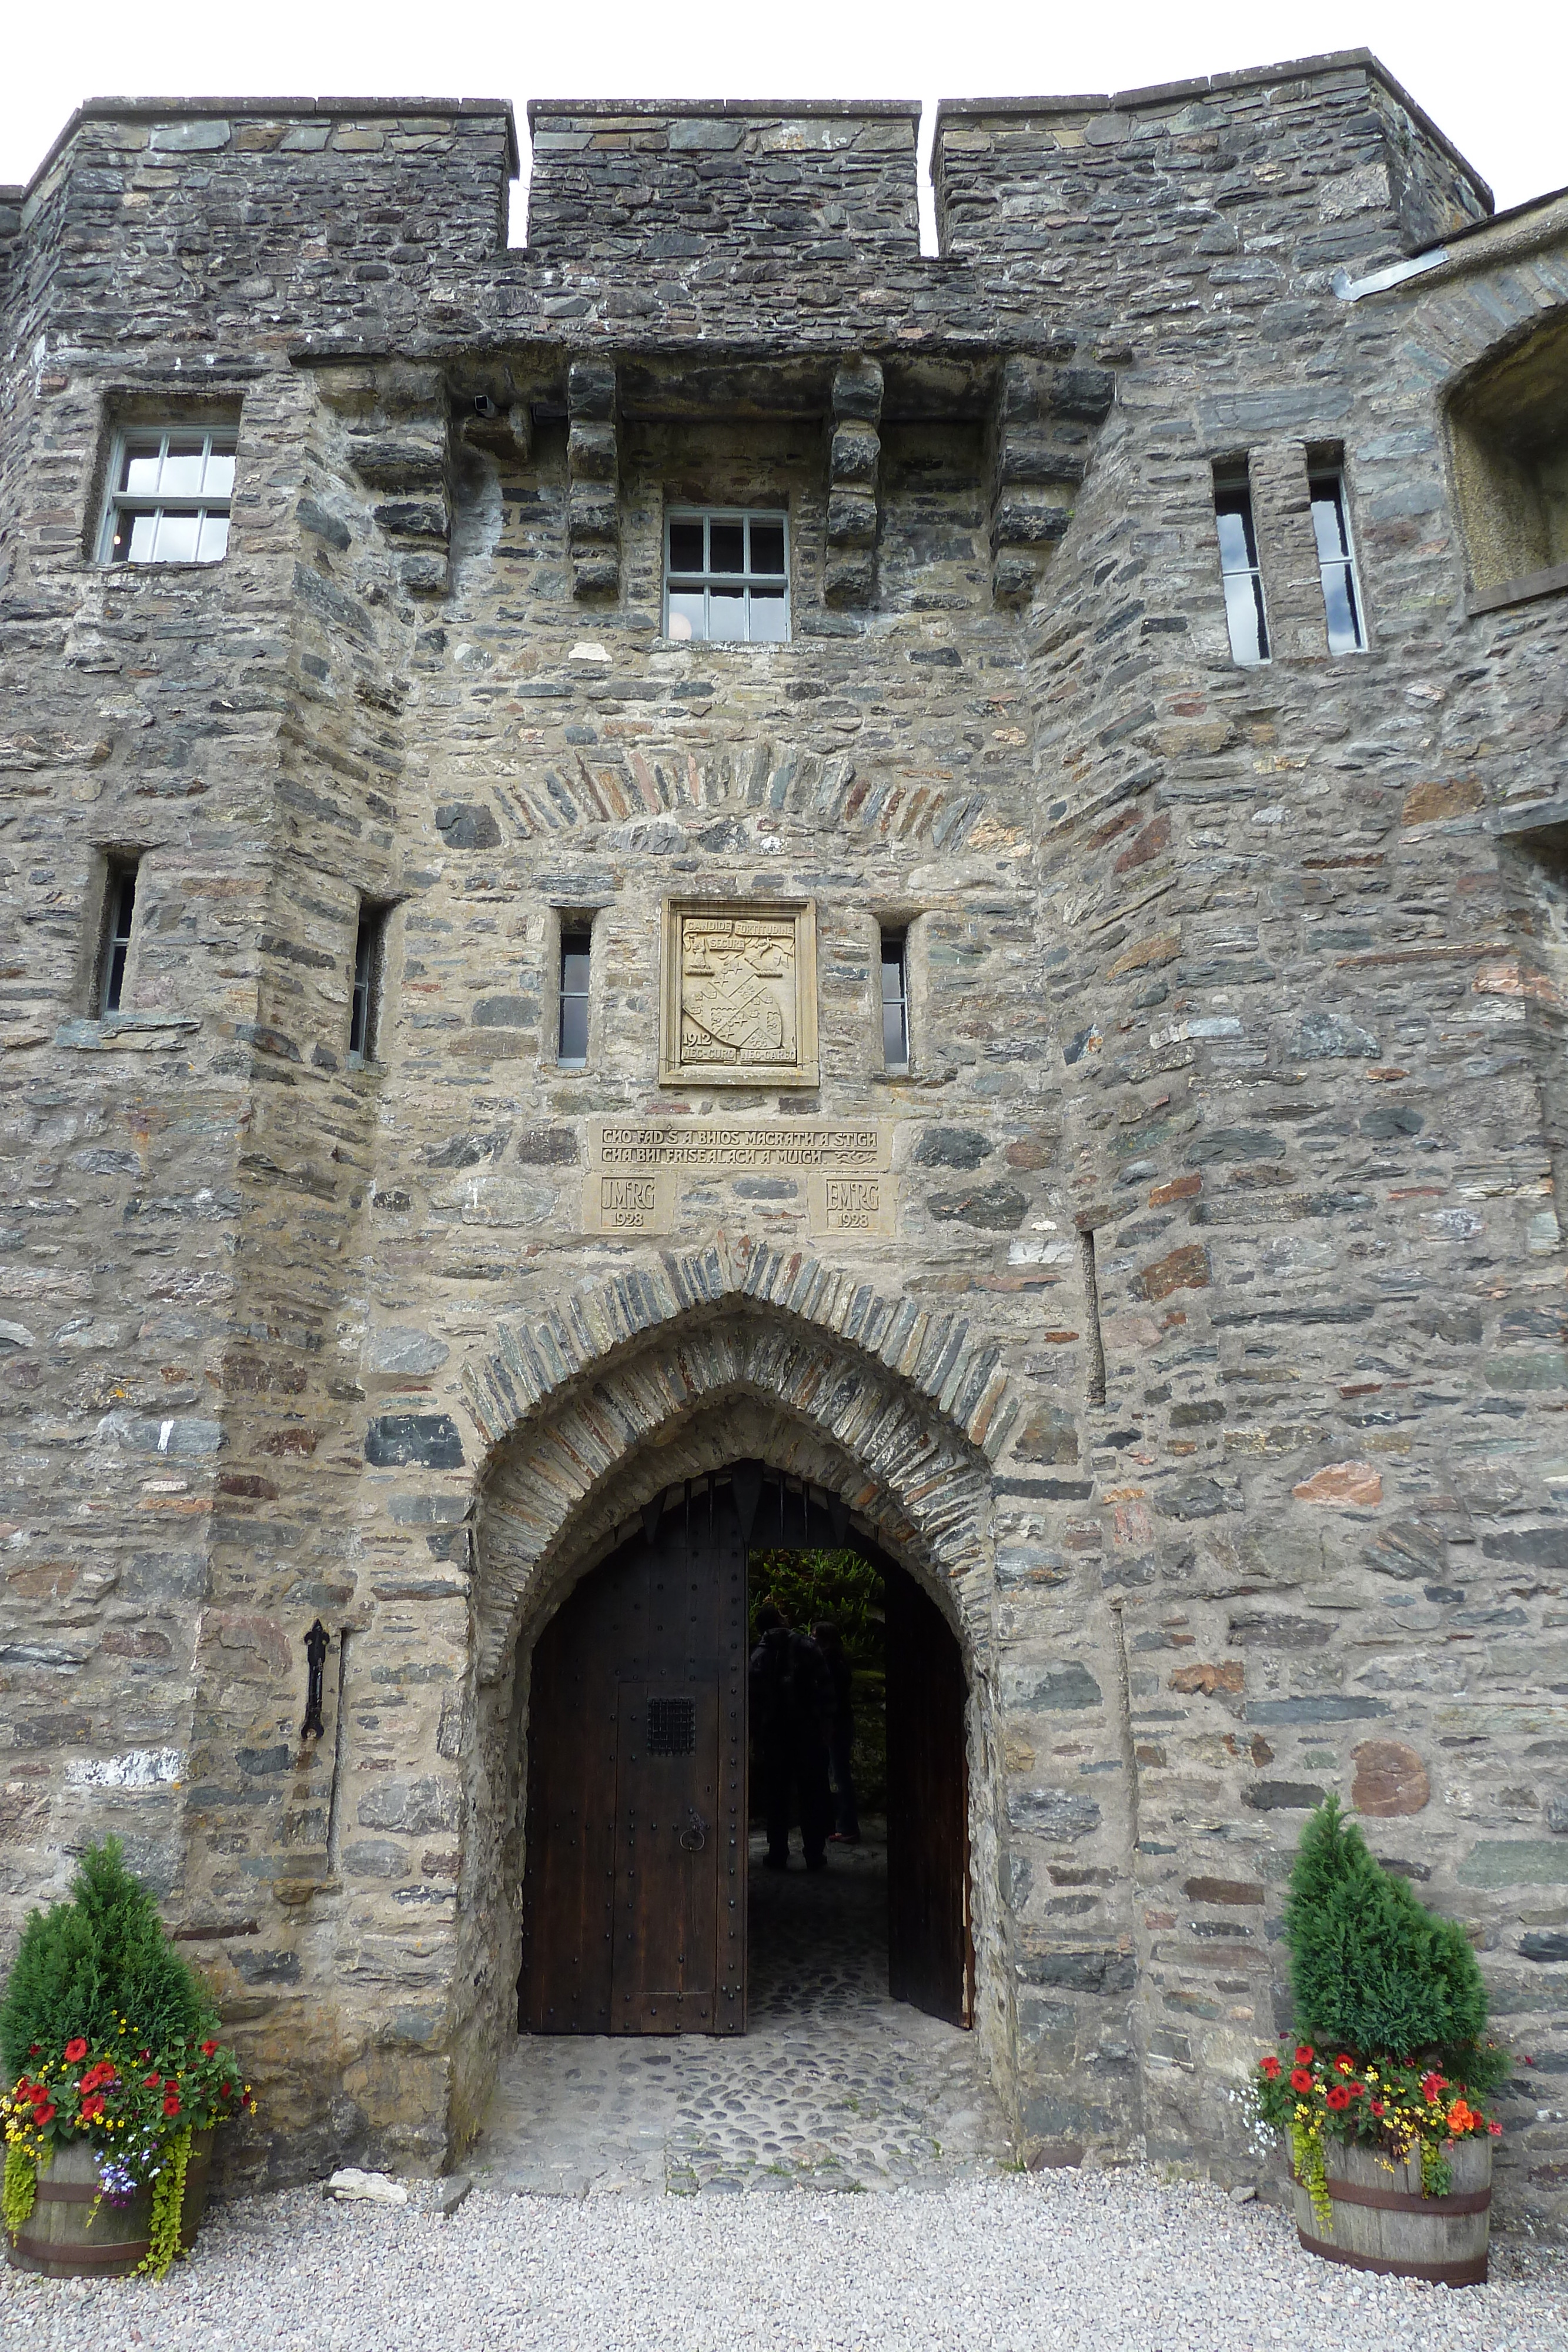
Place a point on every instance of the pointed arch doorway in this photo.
(634, 1889)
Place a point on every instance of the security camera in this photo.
(484, 405)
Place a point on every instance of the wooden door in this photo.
(930, 1944)
(634, 1880)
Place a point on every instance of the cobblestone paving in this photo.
(834, 2085)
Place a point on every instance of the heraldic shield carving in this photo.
(739, 995)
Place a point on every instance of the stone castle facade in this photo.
(1184, 1306)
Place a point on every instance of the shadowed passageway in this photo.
(833, 2085)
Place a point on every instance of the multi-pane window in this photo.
(119, 912)
(1239, 564)
(895, 1000)
(369, 943)
(726, 577)
(169, 500)
(575, 950)
(1336, 561)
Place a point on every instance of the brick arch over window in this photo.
(893, 1406)
(653, 792)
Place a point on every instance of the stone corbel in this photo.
(399, 447)
(1044, 425)
(593, 498)
(854, 461)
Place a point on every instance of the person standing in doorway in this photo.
(840, 1733)
(791, 1703)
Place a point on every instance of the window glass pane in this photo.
(768, 616)
(726, 616)
(182, 475)
(214, 537)
(1244, 612)
(727, 549)
(573, 971)
(892, 974)
(139, 471)
(895, 1039)
(176, 538)
(219, 480)
(685, 547)
(573, 1029)
(1339, 600)
(1328, 522)
(686, 614)
(1235, 538)
(768, 547)
(143, 532)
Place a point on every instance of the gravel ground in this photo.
(1118, 2263)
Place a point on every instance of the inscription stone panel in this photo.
(738, 1000)
(840, 1147)
(852, 1204)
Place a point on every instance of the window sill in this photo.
(721, 644)
(1524, 590)
(129, 572)
(125, 1033)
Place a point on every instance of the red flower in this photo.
(1300, 2079)
(153, 2082)
(74, 2050)
(42, 2115)
(1356, 2090)
(34, 2048)
(1431, 2085)
(225, 2089)
(1338, 2097)
(1496, 2130)
(171, 2105)
(1269, 2066)
(1377, 2107)
(1345, 2066)
(1305, 2054)
(92, 2108)
(209, 2049)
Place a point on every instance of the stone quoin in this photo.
(719, 838)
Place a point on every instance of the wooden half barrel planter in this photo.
(1382, 2223)
(73, 2232)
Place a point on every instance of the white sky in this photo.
(1497, 86)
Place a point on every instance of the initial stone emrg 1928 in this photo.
(738, 994)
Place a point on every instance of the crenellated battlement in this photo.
(616, 184)
(1331, 144)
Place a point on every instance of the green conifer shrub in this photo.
(84, 1964)
(1372, 1971)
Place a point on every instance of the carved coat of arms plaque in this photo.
(739, 995)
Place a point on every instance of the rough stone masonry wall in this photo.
(1219, 965)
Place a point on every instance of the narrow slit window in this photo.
(369, 941)
(895, 1000)
(576, 956)
(119, 913)
(1238, 565)
(727, 576)
(169, 495)
(1336, 561)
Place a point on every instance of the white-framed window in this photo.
(574, 993)
(170, 489)
(1336, 561)
(365, 995)
(895, 997)
(1240, 569)
(727, 575)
